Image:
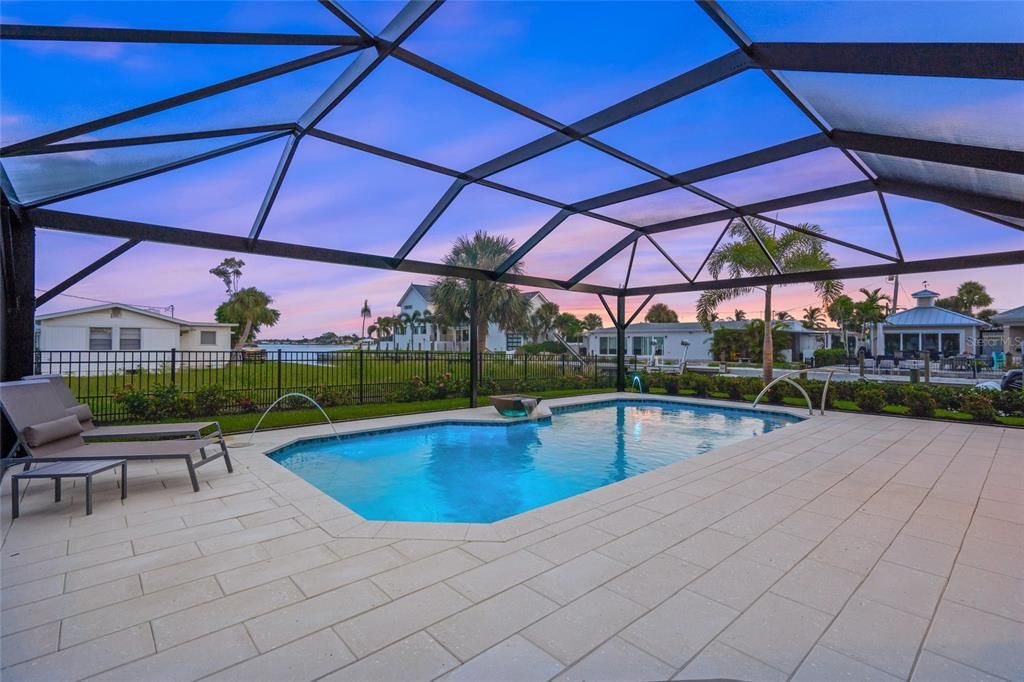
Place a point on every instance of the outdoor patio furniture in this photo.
(515, 405)
(46, 431)
(135, 431)
(58, 471)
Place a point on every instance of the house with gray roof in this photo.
(928, 327)
(1012, 324)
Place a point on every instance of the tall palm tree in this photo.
(496, 302)
(742, 257)
(365, 314)
(415, 319)
(739, 315)
(973, 295)
(783, 316)
(841, 311)
(871, 310)
(250, 308)
(813, 318)
(659, 312)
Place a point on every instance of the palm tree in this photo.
(373, 331)
(592, 321)
(415, 319)
(382, 328)
(783, 316)
(739, 315)
(742, 256)
(250, 308)
(871, 310)
(542, 320)
(813, 318)
(659, 312)
(496, 302)
(841, 310)
(973, 295)
(365, 314)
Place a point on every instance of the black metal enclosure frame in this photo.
(1003, 61)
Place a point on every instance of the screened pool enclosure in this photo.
(615, 142)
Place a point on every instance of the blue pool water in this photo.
(479, 473)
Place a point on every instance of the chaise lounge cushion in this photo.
(48, 432)
(81, 412)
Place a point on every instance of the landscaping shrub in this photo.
(135, 402)
(210, 399)
(920, 402)
(1010, 403)
(552, 347)
(979, 405)
(671, 384)
(824, 357)
(869, 398)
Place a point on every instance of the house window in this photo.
(100, 338)
(131, 338)
(607, 345)
(911, 342)
(207, 338)
(513, 341)
(892, 344)
(648, 345)
(930, 342)
(950, 344)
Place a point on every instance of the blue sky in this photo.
(564, 59)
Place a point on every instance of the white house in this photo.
(89, 333)
(671, 340)
(424, 336)
(928, 327)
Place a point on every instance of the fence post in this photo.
(426, 373)
(174, 359)
(360, 375)
(278, 372)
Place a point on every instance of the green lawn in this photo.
(345, 370)
(244, 423)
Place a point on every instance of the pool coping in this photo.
(343, 522)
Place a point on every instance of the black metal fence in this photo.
(241, 381)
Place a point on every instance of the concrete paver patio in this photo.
(843, 547)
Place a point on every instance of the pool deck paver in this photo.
(843, 547)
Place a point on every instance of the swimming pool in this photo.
(479, 473)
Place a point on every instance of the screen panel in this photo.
(406, 110)
(568, 60)
(48, 86)
(571, 173)
(738, 115)
(481, 208)
(220, 195)
(271, 16)
(44, 176)
(930, 230)
(660, 207)
(980, 112)
(341, 198)
(572, 246)
(974, 180)
(816, 170)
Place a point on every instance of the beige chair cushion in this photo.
(80, 412)
(48, 432)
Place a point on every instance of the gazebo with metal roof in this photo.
(969, 168)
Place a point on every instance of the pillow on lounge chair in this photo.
(80, 412)
(47, 432)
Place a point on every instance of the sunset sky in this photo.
(566, 60)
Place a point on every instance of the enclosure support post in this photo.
(174, 366)
(620, 344)
(474, 360)
(17, 330)
(279, 394)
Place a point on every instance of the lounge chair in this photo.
(90, 431)
(47, 432)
